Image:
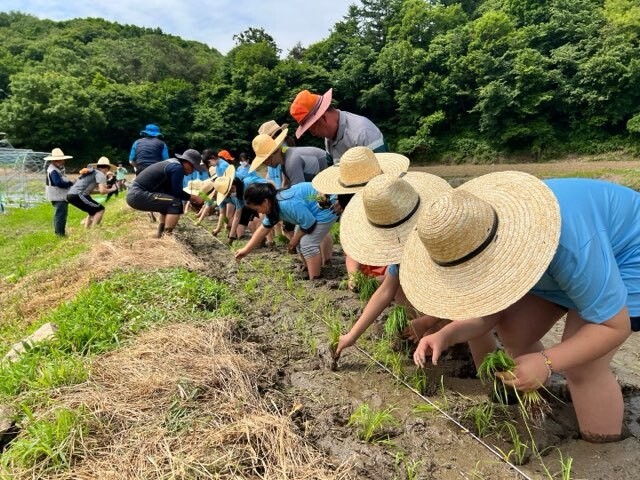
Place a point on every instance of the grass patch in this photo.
(104, 314)
(372, 425)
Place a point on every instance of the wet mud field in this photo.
(285, 316)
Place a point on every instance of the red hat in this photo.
(308, 107)
(226, 155)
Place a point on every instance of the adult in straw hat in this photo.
(57, 188)
(373, 231)
(341, 130)
(160, 189)
(299, 164)
(79, 194)
(507, 250)
(297, 205)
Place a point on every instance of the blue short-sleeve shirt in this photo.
(221, 167)
(299, 206)
(596, 268)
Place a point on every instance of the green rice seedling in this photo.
(371, 424)
(335, 233)
(397, 321)
(410, 468)
(312, 342)
(565, 472)
(290, 281)
(532, 404)
(518, 453)
(426, 408)
(482, 417)
(335, 330)
(281, 240)
(443, 394)
(365, 285)
(47, 444)
(250, 285)
(419, 380)
(384, 353)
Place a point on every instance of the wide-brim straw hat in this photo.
(57, 154)
(223, 184)
(378, 220)
(193, 187)
(481, 247)
(103, 162)
(357, 167)
(271, 128)
(264, 146)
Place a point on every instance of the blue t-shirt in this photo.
(596, 268)
(299, 206)
(242, 172)
(393, 269)
(221, 167)
(275, 174)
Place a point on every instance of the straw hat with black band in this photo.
(378, 220)
(357, 167)
(481, 247)
(223, 184)
(264, 146)
(271, 128)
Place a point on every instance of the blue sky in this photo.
(212, 22)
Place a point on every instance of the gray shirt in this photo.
(301, 164)
(87, 183)
(354, 131)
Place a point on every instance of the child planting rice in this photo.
(297, 205)
(507, 250)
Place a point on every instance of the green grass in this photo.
(106, 313)
(47, 444)
(397, 321)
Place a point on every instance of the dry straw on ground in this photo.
(180, 403)
(28, 298)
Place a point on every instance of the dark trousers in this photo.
(60, 217)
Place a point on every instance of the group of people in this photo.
(504, 256)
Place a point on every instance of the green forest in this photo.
(446, 81)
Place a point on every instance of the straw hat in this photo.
(103, 162)
(358, 166)
(56, 154)
(378, 220)
(223, 184)
(193, 187)
(264, 146)
(481, 247)
(271, 128)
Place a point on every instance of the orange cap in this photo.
(308, 107)
(226, 155)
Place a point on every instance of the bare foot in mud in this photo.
(327, 357)
(422, 326)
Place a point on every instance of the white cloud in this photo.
(210, 22)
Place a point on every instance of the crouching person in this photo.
(159, 189)
(80, 193)
(297, 205)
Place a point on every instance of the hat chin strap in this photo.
(399, 222)
(478, 250)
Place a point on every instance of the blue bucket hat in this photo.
(152, 130)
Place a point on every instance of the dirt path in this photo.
(284, 315)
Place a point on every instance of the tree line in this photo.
(450, 81)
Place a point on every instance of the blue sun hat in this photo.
(151, 130)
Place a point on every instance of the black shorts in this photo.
(153, 201)
(288, 227)
(85, 203)
(247, 215)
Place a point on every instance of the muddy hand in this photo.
(240, 254)
(345, 342)
(530, 373)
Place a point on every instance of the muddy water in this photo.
(284, 316)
